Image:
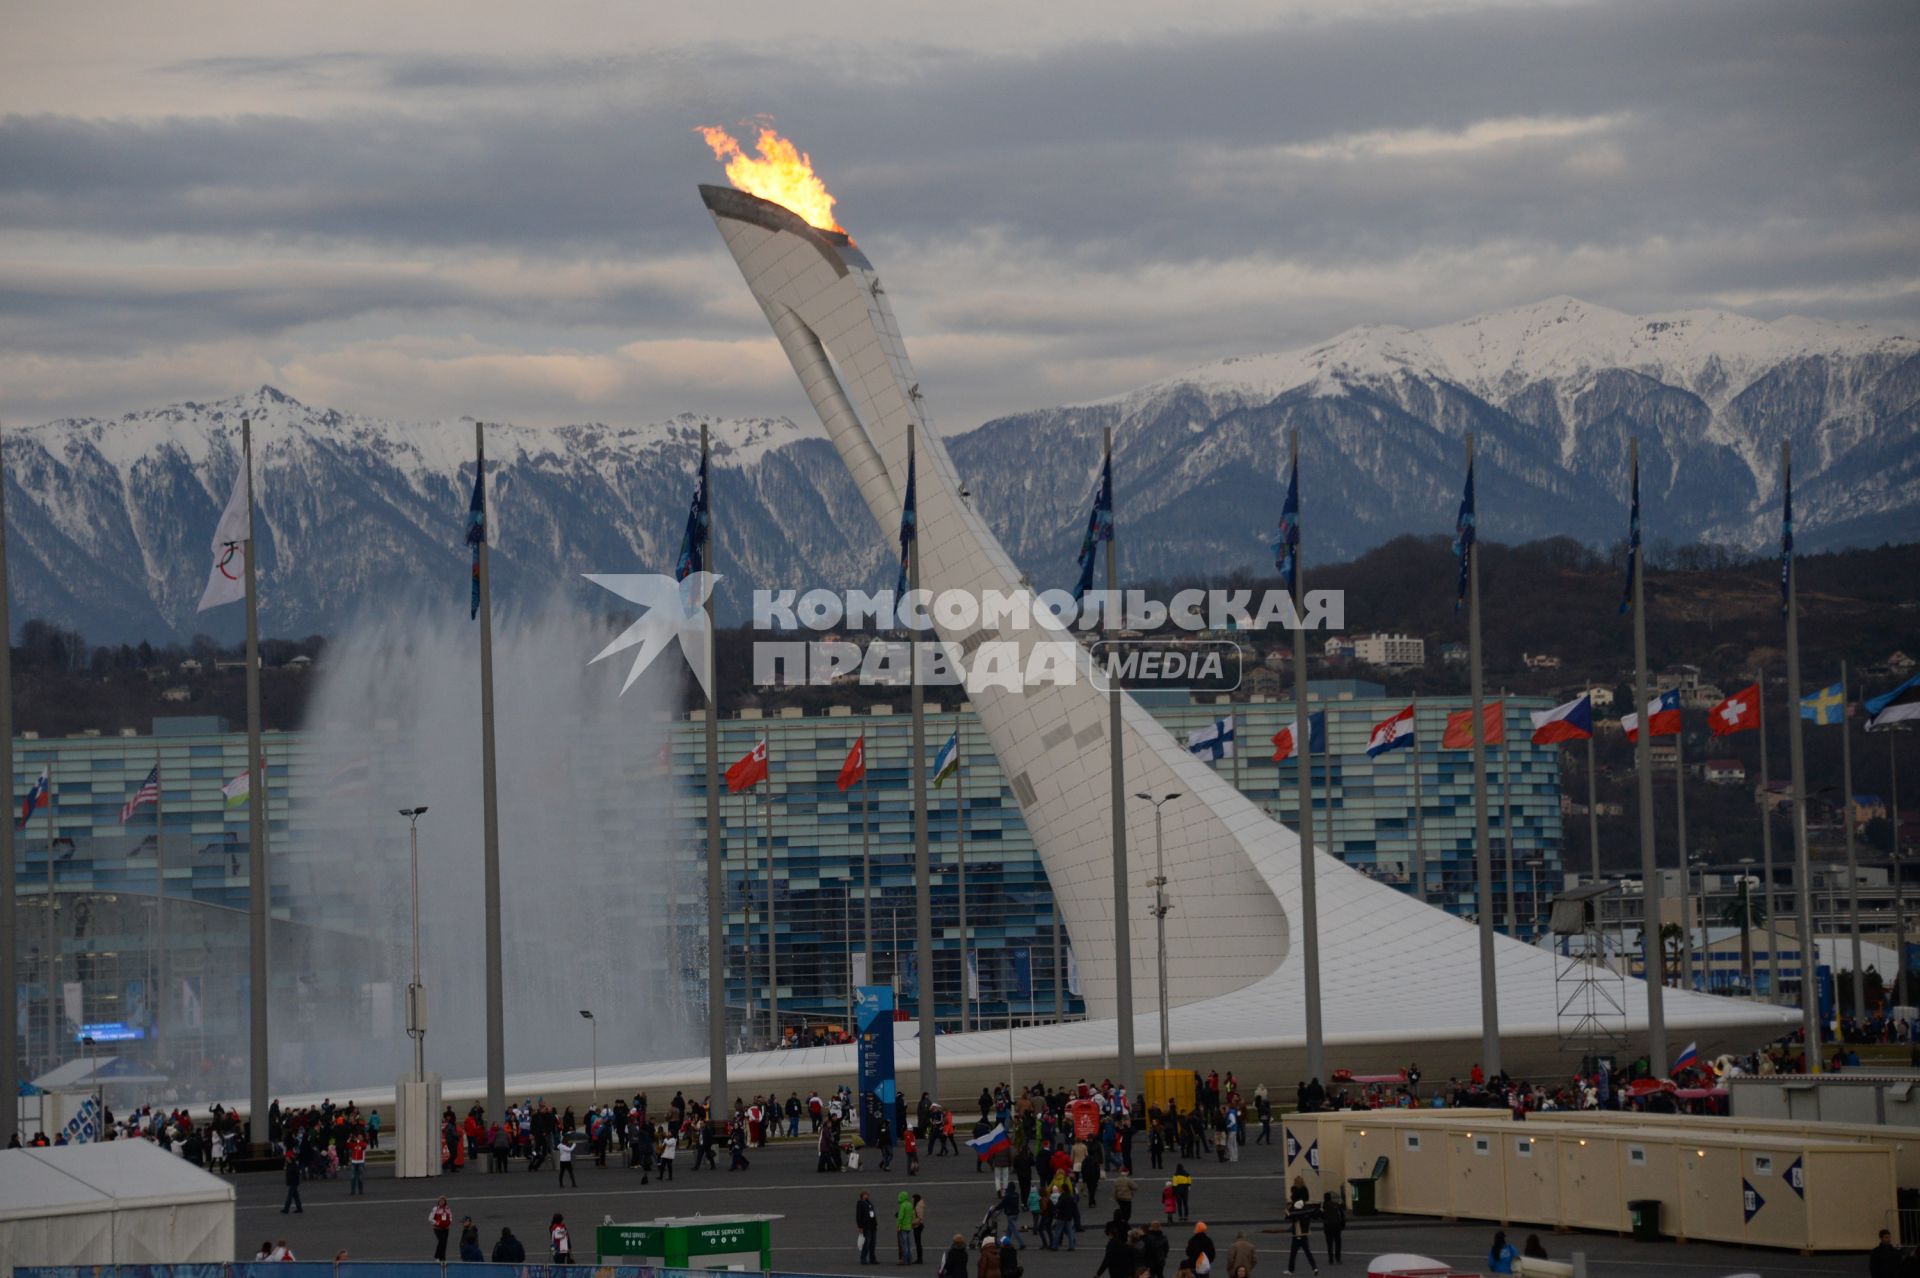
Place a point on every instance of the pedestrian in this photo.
(562, 1241)
(1501, 1255)
(563, 1152)
(1119, 1260)
(357, 1164)
(293, 1185)
(1300, 1227)
(1153, 1250)
(989, 1260)
(1169, 1203)
(913, 1153)
(954, 1263)
(1297, 1194)
(508, 1250)
(470, 1242)
(919, 1228)
(441, 1219)
(1066, 1218)
(1182, 1190)
(1884, 1261)
(867, 1218)
(883, 1136)
(1535, 1249)
(1200, 1251)
(1090, 1176)
(903, 1228)
(1333, 1223)
(1242, 1257)
(373, 1129)
(1124, 1188)
(738, 1145)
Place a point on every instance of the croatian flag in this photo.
(1395, 732)
(1215, 741)
(1689, 1059)
(1283, 744)
(1570, 722)
(36, 797)
(993, 1142)
(1663, 712)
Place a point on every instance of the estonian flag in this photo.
(1898, 706)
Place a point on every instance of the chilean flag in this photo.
(1663, 712)
(750, 770)
(1570, 722)
(1395, 732)
(1738, 713)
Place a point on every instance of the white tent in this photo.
(124, 1202)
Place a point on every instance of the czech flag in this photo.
(991, 1143)
(1738, 713)
(750, 770)
(1395, 732)
(1570, 722)
(1663, 712)
(854, 770)
(1689, 1058)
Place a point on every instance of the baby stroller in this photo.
(989, 1227)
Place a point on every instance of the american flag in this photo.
(149, 792)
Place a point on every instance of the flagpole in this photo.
(960, 873)
(748, 1016)
(1059, 968)
(1652, 946)
(52, 964)
(1686, 871)
(866, 862)
(1593, 814)
(9, 865)
(773, 935)
(160, 900)
(1419, 821)
(1797, 769)
(922, 857)
(1506, 818)
(716, 851)
(490, 816)
(259, 886)
(1316, 1066)
(1483, 840)
(1116, 788)
(1853, 863)
(1899, 887)
(1766, 845)
(1326, 764)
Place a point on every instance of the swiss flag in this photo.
(1459, 733)
(1738, 713)
(854, 770)
(750, 771)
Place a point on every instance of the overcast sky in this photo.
(434, 209)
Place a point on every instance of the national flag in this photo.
(1786, 534)
(1689, 1058)
(909, 530)
(1283, 746)
(477, 531)
(227, 580)
(750, 770)
(1395, 732)
(1570, 722)
(1463, 536)
(36, 797)
(1737, 713)
(854, 770)
(238, 791)
(353, 777)
(1099, 529)
(1459, 733)
(149, 792)
(947, 762)
(1286, 544)
(987, 1144)
(1825, 707)
(693, 542)
(1215, 741)
(1898, 706)
(1663, 712)
(1633, 541)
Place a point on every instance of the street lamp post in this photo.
(416, 993)
(594, 1025)
(93, 1075)
(1160, 908)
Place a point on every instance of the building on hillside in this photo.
(1776, 795)
(1665, 755)
(1701, 696)
(1602, 698)
(1338, 648)
(1680, 676)
(1724, 772)
(1391, 652)
(1868, 807)
(1454, 654)
(1539, 661)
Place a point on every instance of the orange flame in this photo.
(783, 173)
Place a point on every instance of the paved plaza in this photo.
(816, 1233)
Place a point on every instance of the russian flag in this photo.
(992, 1142)
(1689, 1059)
(1663, 712)
(1570, 722)
(1395, 732)
(36, 797)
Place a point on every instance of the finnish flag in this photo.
(1215, 741)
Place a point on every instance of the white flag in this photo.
(973, 974)
(72, 995)
(227, 580)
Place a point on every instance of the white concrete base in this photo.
(416, 1128)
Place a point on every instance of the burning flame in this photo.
(783, 173)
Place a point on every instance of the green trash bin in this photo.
(1363, 1197)
(1646, 1218)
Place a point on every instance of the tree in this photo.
(1745, 913)
(1672, 937)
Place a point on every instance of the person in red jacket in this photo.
(357, 1164)
(441, 1218)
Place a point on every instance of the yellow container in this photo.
(1175, 1085)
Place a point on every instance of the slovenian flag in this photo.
(1689, 1058)
(1395, 732)
(36, 797)
(1570, 722)
(991, 1143)
(1215, 741)
(1663, 712)
(1283, 744)
(1898, 706)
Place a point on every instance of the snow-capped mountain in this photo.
(109, 521)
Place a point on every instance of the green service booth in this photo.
(691, 1242)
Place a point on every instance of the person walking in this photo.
(919, 1228)
(1884, 1261)
(1124, 1187)
(1333, 1223)
(293, 1186)
(1242, 1257)
(669, 1149)
(989, 1260)
(954, 1263)
(1066, 1218)
(441, 1219)
(562, 1241)
(563, 1154)
(470, 1242)
(1182, 1191)
(1200, 1251)
(883, 1137)
(508, 1250)
(912, 1146)
(1119, 1260)
(1154, 1248)
(1300, 1229)
(866, 1217)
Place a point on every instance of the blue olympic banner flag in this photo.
(874, 1024)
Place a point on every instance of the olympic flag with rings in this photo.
(227, 580)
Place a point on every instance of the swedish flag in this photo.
(1825, 707)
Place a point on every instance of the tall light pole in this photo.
(594, 1026)
(416, 993)
(1160, 908)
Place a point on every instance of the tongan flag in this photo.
(1463, 534)
(693, 542)
(1099, 529)
(990, 1143)
(1570, 722)
(1663, 712)
(1738, 713)
(854, 770)
(227, 580)
(1395, 732)
(1825, 707)
(1459, 733)
(749, 770)
(477, 532)
(1898, 706)
(909, 533)
(1215, 741)
(1283, 747)
(149, 792)
(947, 761)
(1286, 545)
(36, 797)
